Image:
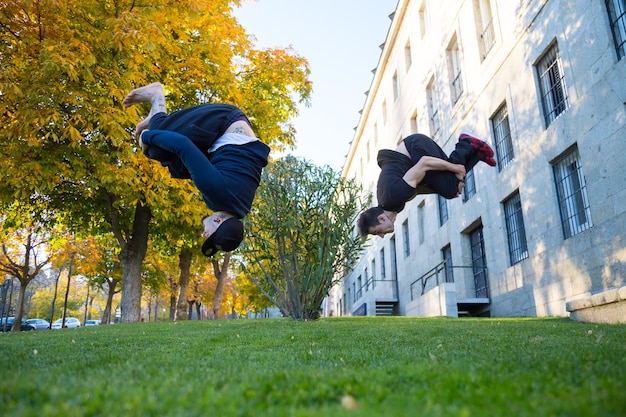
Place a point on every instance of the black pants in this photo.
(444, 183)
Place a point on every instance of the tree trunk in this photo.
(131, 256)
(173, 297)
(184, 264)
(221, 275)
(17, 324)
(106, 316)
(199, 310)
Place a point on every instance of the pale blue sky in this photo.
(340, 39)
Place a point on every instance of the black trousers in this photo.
(444, 183)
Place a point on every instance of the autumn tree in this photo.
(301, 234)
(65, 67)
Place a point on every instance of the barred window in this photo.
(516, 233)
(552, 85)
(446, 255)
(617, 19)
(572, 194)
(383, 271)
(454, 67)
(484, 25)
(406, 238)
(502, 134)
(433, 108)
(470, 185)
(443, 210)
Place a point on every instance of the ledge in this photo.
(608, 306)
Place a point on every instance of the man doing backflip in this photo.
(214, 146)
(419, 166)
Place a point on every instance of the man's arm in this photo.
(416, 174)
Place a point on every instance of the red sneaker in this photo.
(483, 149)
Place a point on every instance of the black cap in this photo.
(226, 238)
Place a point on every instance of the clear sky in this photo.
(340, 39)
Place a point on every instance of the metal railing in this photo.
(441, 273)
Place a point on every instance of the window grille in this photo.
(383, 271)
(617, 19)
(479, 263)
(470, 185)
(443, 210)
(433, 109)
(572, 194)
(552, 85)
(502, 134)
(405, 237)
(516, 233)
(446, 254)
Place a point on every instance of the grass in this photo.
(370, 366)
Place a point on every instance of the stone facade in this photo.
(543, 79)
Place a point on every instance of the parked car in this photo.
(6, 324)
(39, 324)
(93, 323)
(70, 323)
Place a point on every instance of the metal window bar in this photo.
(457, 87)
(572, 195)
(434, 123)
(405, 238)
(553, 91)
(617, 19)
(447, 257)
(516, 233)
(479, 262)
(470, 185)
(488, 38)
(502, 133)
(443, 210)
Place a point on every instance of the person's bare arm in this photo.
(416, 174)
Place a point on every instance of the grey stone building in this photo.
(541, 234)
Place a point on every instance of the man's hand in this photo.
(459, 171)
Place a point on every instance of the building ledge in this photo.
(609, 306)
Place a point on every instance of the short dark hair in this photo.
(367, 219)
(226, 238)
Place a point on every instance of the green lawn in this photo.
(374, 366)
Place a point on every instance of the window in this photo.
(420, 222)
(406, 238)
(502, 134)
(443, 210)
(572, 194)
(383, 271)
(552, 85)
(384, 112)
(484, 25)
(470, 185)
(395, 86)
(376, 134)
(359, 287)
(617, 19)
(446, 256)
(408, 60)
(516, 234)
(433, 107)
(454, 69)
(423, 20)
(393, 258)
(373, 277)
(479, 262)
(414, 123)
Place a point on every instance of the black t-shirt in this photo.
(392, 191)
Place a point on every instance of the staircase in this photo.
(386, 308)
